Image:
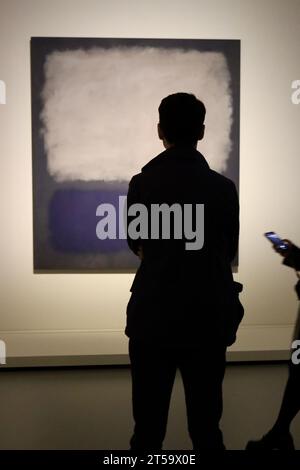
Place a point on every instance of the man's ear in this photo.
(160, 132)
(201, 132)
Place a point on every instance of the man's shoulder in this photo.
(135, 179)
(216, 179)
(155, 161)
(147, 168)
(222, 180)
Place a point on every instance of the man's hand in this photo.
(284, 252)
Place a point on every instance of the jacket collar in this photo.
(182, 153)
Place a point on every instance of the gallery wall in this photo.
(84, 314)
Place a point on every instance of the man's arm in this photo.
(292, 259)
(232, 224)
(132, 198)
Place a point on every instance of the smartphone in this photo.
(276, 240)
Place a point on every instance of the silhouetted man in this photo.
(183, 308)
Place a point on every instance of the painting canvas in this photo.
(94, 116)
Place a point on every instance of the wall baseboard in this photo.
(116, 360)
(110, 347)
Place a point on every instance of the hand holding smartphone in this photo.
(279, 244)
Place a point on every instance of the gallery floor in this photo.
(90, 408)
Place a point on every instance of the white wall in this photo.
(72, 314)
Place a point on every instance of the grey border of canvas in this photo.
(45, 258)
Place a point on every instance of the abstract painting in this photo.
(94, 116)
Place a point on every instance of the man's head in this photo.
(181, 118)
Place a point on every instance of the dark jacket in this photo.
(293, 261)
(293, 258)
(179, 295)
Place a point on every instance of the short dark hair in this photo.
(181, 117)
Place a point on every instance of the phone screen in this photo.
(276, 240)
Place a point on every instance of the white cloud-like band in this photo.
(100, 108)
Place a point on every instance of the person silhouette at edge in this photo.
(279, 436)
(184, 307)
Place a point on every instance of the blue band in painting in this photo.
(72, 221)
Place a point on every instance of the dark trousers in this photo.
(153, 370)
